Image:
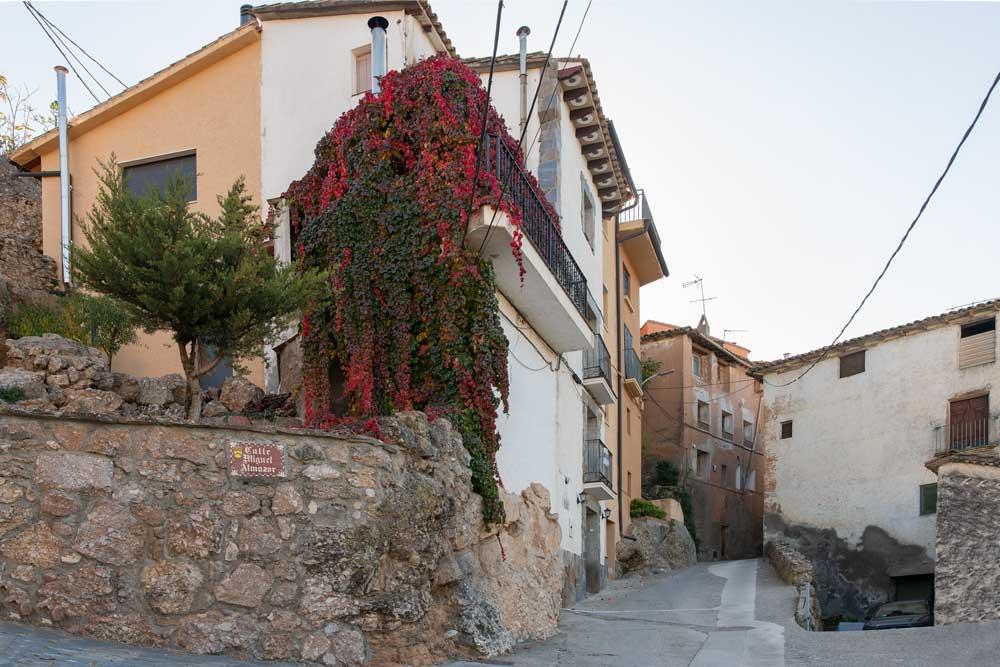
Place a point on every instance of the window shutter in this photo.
(977, 344)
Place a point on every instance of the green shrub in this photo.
(37, 318)
(641, 507)
(667, 474)
(11, 394)
(111, 326)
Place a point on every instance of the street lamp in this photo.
(656, 375)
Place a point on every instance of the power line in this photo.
(524, 129)
(68, 61)
(482, 131)
(69, 50)
(82, 50)
(899, 247)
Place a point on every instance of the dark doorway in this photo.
(914, 587)
(592, 549)
(722, 541)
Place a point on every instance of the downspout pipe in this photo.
(378, 25)
(522, 36)
(619, 345)
(64, 201)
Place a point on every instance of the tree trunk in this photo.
(190, 363)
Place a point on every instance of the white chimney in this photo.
(378, 26)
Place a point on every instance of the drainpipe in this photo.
(522, 36)
(64, 202)
(378, 26)
(619, 345)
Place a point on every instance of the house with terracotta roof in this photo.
(701, 419)
(848, 432)
(255, 102)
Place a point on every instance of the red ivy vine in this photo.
(411, 316)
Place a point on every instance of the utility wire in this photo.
(82, 50)
(72, 53)
(482, 131)
(58, 48)
(524, 129)
(899, 247)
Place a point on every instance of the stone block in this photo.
(171, 586)
(110, 534)
(74, 471)
(245, 586)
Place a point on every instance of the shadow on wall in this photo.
(852, 581)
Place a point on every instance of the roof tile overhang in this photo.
(419, 9)
(957, 316)
(712, 343)
(29, 155)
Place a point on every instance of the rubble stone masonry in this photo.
(22, 263)
(333, 549)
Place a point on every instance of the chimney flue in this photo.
(246, 14)
(522, 36)
(378, 26)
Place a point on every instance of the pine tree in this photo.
(209, 281)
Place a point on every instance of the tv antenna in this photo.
(701, 288)
(726, 332)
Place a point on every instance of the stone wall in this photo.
(967, 579)
(22, 264)
(795, 569)
(348, 551)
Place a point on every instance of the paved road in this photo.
(733, 614)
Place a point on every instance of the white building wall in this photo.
(859, 444)
(307, 82)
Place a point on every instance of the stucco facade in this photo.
(703, 419)
(846, 453)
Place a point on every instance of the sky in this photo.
(784, 146)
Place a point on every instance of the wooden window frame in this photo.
(707, 424)
(849, 366)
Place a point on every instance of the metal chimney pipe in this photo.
(246, 14)
(64, 202)
(378, 26)
(522, 36)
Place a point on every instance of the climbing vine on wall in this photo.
(411, 318)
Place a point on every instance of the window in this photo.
(701, 467)
(626, 282)
(587, 213)
(628, 339)
(144, 176)
(703, 414)
(628, 484)
(699, 365)
(977, 343)
(739, 476)
(362, 70)
(727, 425)
(751, 484)
(724, 375)
(928, 499)
(628, 420)
(604, 302)
(852, 364)
(747, 433)
(969, 422)
(724, 475)
(786, 429)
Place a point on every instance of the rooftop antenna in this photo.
(701, 288)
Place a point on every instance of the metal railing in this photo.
(596, 463)
(967, 434)
(633, 367)
(597, 362)
(537, 224)
(638, 211)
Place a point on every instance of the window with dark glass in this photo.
(928, 499)
(852, 364)
(144, 176)
(727, 425)
(626, 282)
(786, 429)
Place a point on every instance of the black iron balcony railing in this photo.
(596, 463)
(538, 224)
(597, 362)
(638, 211)
(968, 434)
(633, 367)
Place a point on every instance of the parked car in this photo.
(901, 614)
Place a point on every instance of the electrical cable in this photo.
(482, 131)
(520, 140)
(82, 50)
(899, 247)
(55, 44)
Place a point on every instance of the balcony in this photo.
(966, 435)
(553, 296)
(597, 470)
(597, 372)
(640, 240)
(633, 373)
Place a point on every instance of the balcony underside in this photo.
(600, 390)
(637, 243)
(633, 387)
(598, 490)
(540, 299)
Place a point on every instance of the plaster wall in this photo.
(216, 112)
(307, 74)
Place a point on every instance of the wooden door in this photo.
(969, 422)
